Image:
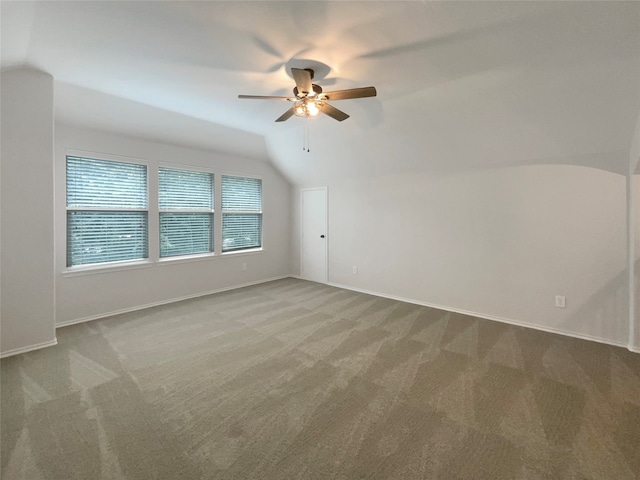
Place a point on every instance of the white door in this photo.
(313, 250)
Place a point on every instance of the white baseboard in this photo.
(510, 321)
(29, 348)
(163, 302)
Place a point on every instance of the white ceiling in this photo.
(460, 84)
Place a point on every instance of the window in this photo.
(186, 212)
(241, 213)
(106, 211)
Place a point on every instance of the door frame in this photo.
(326, 229)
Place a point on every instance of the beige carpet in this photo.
(295, 380)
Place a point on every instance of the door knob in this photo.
(321, 236)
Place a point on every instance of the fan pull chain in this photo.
(305, 136)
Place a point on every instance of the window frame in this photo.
(223, 211)
(116, 264)
(214, 243)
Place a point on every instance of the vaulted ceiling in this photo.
(461, 85)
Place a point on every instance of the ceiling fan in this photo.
(309, 99)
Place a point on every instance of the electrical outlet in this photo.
(355, 270)
(244, 266)
(560, 301)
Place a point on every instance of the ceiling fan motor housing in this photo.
(317, 89)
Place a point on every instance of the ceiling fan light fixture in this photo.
(312, 108)
(306, 107)
(300, 109)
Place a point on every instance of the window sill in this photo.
(105, 268)
(186, 258)
(120, 266)
(249, 251)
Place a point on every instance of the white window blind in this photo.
(106, 211)
(241, 213)
(186, 211)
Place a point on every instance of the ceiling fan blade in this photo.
(333, 112)
(351, 93)
(266, 97)
(303, 79)
(285, 116)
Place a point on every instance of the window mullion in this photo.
(94, 209)
(154, 222)
(242, 212)
(184, 210)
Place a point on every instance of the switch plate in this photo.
(560, 301)
(244, 266)
(355, 270)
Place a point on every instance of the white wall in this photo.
(26, 262)
(497, 242)
(92, 295)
